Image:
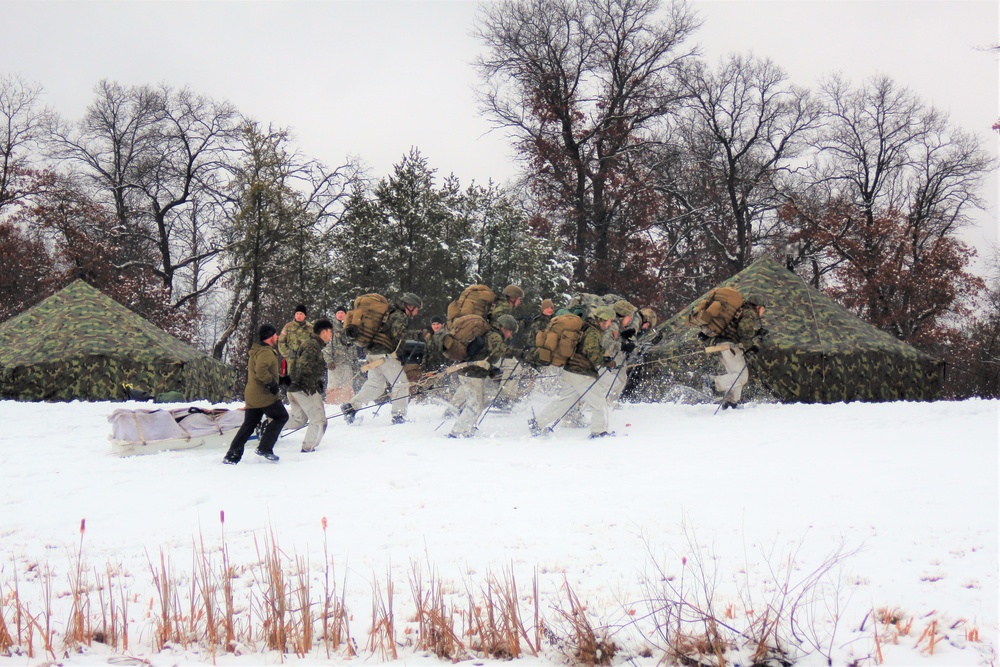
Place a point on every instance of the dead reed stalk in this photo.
(382, 636)
(304, 627)
(276, 594)
(435, 624)
(163, 581)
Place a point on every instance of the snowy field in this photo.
(878, 521)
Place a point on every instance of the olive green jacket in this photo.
(262, 369)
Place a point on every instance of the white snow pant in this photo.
(307, 409)
(389, 374)
(475, 402)
(617, 379)
(736, 377)
(573, 387)
(508, 387)
(340, 383)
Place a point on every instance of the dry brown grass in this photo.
(382, 635)
(580, 641)
(435, 622)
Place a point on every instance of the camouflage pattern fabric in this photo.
(308, 366)
(291, 338)
(815, 351)
(493, 351)
(589, 357)
(80, 344)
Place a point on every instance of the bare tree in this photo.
(159, 158)
(899, 181)
(746, 125)
(579, 85)
(22, 126)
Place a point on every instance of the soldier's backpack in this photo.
(474, 300)
(558, 341)
(364, 320)
(458, 344)
(717, 310)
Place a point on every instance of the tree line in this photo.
(644, 170)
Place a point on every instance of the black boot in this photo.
(348, 411)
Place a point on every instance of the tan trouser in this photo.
(340, 384)
(389, 374)
(736, 377)
(307, 409)
(573, 386)
(475, 402)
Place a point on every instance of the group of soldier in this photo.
(317, 364)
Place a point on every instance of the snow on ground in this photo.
(679, 493)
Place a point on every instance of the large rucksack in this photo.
(457, 344)
(716, 310)
(557, 342)
(366, 318)
(474, 300)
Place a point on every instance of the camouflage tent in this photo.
(81, 344)
(815, 351)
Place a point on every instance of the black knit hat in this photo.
(437, 319)
(341, 308)
(265, 332)
(301, 309)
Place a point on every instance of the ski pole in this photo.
(738, 376)
(578, 399)
(499, 391)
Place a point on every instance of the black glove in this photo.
(495, 373)
(753, 349)
(628, 333)
(702, 336)
(272, 387)
(285, 380)
(762, 332)
(628, 346)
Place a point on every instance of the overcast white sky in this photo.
(373, 79)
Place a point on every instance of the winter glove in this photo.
(331, 366)
(272, 387)
(628, 346)
(495, 373)
(702, 336)
(762, 332)
(285, 380)
(627, 333)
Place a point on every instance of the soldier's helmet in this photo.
(756, 298)
(648, 315)
(602, 313)
(508, 322)
(623, 308)
(411, 299)
(513, 292)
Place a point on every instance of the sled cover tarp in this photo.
(816, 351)
(81, 344)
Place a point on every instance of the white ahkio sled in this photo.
(152, 431)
